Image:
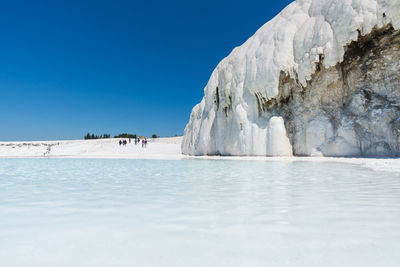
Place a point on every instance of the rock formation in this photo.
(321, 78)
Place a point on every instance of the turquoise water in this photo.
(83, 212)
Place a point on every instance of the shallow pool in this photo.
(83, 212)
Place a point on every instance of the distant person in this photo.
(48, 150)
(129, 140)
(142, 143)
(120, 142)
(135, 141)
(145, 143)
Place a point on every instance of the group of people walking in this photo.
(122, 142)
(137, 141)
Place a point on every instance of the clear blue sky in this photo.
(72, 67)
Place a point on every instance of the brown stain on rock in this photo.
(364, 85)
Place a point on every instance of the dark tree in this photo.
(125, 135)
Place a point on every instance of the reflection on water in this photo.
(66, 212)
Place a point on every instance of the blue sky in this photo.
(72, 67)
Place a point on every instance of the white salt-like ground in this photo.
(160, 148)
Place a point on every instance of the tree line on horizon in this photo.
(126, 135)
(94, 136)
(133, 136)
(90, 136)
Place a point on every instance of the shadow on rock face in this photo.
(351, 109)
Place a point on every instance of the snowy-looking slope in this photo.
(228, 120)
(160, 148)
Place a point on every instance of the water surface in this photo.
(70, 212)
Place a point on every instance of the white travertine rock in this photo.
(235, 118)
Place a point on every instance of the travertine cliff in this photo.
(321, 78)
